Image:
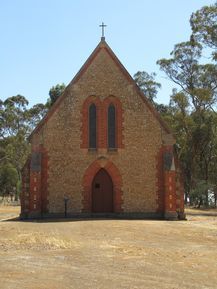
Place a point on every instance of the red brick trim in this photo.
(170, 191)
(35, 192)
(119, 122)
(24, 196)
(38, 184)
(102, 121)
(85, 120)
(101, 45)
(179, 185)
(169, 183)
(138, 90)
(170, 196)
(44, 181)
(65, 93)
(88, 179)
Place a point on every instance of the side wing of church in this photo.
(104, 149)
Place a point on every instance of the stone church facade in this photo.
(104, 149)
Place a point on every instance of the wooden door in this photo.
(102, 193)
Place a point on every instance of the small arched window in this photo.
(111, 126)
(92, 126)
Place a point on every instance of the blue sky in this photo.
(45, 42)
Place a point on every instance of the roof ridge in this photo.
(102, 45)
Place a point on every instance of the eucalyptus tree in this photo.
(193, 110)
(148, 85)
(16, 123)
(204, 27)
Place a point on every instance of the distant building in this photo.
(104, 147)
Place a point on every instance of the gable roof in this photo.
(102, 45)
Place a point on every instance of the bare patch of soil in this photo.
(117, 254)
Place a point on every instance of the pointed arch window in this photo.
(111, 126)
(92, 126)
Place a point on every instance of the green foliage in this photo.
(12, 115)
(197, 81)
(16, 123)
(163, 109)
(192, 110)
(198, 194)
(55, 92)
(35, 114)
(204, 26)
(196, 135)
(18, 187)
(147, 84)
(8, 179)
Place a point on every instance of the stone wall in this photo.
(137, 158)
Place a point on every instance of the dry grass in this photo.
(37, 241)
(109, 254)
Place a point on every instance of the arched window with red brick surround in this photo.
(92, 125)
(90, 122)
(113, 119)
(102, 123)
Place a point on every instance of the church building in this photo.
(102, 150)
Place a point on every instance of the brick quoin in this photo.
(102, 121)
(170, 185)
(69, 166)
(89, 175)
(44, 181)
(38, 185)
(24, 197)
(170, 191)
(179, 186)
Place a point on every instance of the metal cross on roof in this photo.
(103, 26)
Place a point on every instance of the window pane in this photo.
(111, 127)
(92, 126)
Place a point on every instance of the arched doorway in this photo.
(102, 193)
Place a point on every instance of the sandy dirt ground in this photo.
(119, 254)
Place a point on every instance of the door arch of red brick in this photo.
(89, 175)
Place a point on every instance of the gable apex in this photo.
(101, 46)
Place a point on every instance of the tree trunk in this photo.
(200, 202)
